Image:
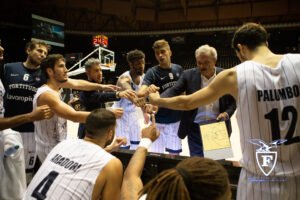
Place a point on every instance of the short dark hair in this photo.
(49, 62)
(99, 121)
(134, 55)
(34, 43)
(250, 34)
(194, 178)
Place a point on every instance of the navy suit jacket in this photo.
(190, 82)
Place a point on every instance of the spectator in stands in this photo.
(191, 81)
(91, 100)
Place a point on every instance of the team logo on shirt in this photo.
(171, 76)
(265, 158)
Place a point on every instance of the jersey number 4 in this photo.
(273, 116)
(41, 190)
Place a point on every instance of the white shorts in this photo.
(253, 187)
(168, 139)
(129, 126)
(29, 149)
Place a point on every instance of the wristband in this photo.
(145, 142)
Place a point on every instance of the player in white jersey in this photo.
(48, 132)
(51, 131)
(82, 169)
(130, 124)
(266, 87)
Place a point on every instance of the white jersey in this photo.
(127, 105)
(268, 110)
(12, 166)
(130, 124)
(69, 171)
(48, 132)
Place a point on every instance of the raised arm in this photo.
(60, 108)
(86, 85)
(132, 183)
(224, 83)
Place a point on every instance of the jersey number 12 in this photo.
(273, 116)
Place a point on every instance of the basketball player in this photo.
(50, 132)
(91, 100)
(129, 125)
(21, 81)
(82, 169)
(266, 87)
(164, 76)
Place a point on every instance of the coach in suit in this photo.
(91, 100)
(191, 81)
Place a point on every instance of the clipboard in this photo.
(215, 140)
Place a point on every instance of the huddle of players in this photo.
(250, 43)
(49, 132)
(28, 83)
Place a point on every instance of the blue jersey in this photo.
(164, 79)
(20, 85)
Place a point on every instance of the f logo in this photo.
(266, 159)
